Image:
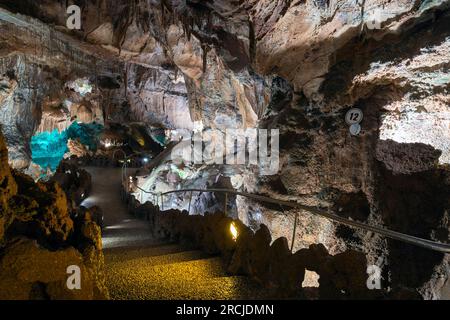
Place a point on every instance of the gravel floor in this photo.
(181, 275)
(139, 267)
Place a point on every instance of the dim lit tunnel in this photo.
(224, 150)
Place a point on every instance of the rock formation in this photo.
(39, 241)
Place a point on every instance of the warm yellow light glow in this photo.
(233, 231)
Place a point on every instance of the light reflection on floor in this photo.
(121, 229)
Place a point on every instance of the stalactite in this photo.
(205, 57)
(125, 76)
(163, 16)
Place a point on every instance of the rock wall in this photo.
(40, 237)
(314, 61)
(329, 57)
(50, 79)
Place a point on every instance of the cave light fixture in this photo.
(233, 231)
(110, 143)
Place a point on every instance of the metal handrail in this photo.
(423, 243)
(125, 165)
(154, 194)
(148, 192)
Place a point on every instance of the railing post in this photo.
(162, 202)
(190, 200)
(125, 170)
(226, 203)
(199, 196)
(294, 231)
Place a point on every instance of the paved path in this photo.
(140, 267)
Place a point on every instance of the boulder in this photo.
(25, 264)
(97, 215)
(41, 212)
(87, 230)
(279, 258)
(191, 229)
(312, 258)
(240, 262)
(209, 229)
(76, 182)
(259, 254)
(95, 262)
(344, 276)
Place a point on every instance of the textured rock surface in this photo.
(293, 65)
(39, 241)
(75, 182)
(49, 271)
(8, 189)
(50, 79)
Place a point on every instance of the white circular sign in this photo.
(353, 116)
(355, 129)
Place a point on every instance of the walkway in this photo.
(120, 228)
(140, 267)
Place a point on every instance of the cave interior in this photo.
(262, 149)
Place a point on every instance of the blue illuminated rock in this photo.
(49, 148)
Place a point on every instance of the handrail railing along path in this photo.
(424, 243)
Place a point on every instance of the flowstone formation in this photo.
(40, 237)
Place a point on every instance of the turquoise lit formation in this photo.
(48, 148)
